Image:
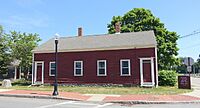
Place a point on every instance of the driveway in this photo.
(196, 86)
(195, 83)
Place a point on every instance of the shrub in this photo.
(167, 78)
(21, 82)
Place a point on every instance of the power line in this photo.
(188, 35)
(191, 34)
(191, 46)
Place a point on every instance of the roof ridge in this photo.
(103, 34)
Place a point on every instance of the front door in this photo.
(39, 72)
(147, 72)
(18, 73)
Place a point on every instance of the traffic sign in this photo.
(189, 68)
(188, 61)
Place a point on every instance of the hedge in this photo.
(167, 78)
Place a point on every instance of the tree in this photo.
(21, 46)
(4, 57)
(196, 65)
(140, 19)
(182, 68)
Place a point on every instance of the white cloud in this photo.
(24, 22)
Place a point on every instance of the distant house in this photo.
(121, 58)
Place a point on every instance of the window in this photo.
(78, 68)
(52, 68)
(125, 67)
(101, 67)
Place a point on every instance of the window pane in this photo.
(124, 63)
(53, 71)
(53, 65)
(102, 71)
(78, 71)
(101, 64)
(78, 64)
(125, 71)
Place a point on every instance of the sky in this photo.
(47, 17)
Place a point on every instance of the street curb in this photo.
(38, 97)
(153, 102)
(118, 101)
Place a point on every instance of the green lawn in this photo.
(107, 90)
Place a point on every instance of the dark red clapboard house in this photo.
(121, 58)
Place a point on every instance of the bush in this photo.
(167, 78)
(21, 82)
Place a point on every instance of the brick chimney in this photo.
(117, 28)
(80, 31)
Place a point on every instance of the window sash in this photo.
(125, 71)
(53, 72)
(78, 64)
(76, 68)
(52, 68)
(125, 64)
(100, 68)
(101, 71)
(78, 71)
(125, 68)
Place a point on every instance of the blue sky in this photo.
(47, 17)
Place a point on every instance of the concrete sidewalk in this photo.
(130, 99)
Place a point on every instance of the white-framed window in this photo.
(125, 67)
(52, 68)
(78, 68)
(101, 68)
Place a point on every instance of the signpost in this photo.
(184, 81)
(189, 62)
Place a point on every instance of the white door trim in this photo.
(156, 61)
(142, 83)
(33, 67)
(35, 73)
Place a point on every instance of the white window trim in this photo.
(98, 68)
(50, 69)
(129, 67)
(80, 68)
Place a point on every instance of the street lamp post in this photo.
(55, 92)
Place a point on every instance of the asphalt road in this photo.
(11, 102)
(195, 82)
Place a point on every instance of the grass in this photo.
(161, 90)
(108, 90)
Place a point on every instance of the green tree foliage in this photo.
(198, 61)
(4, 57)
(139, 19)
(182, 68)
(196, 66)
(21, 46)
(167, 78)
(16, 45)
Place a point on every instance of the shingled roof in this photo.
(145, 39)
